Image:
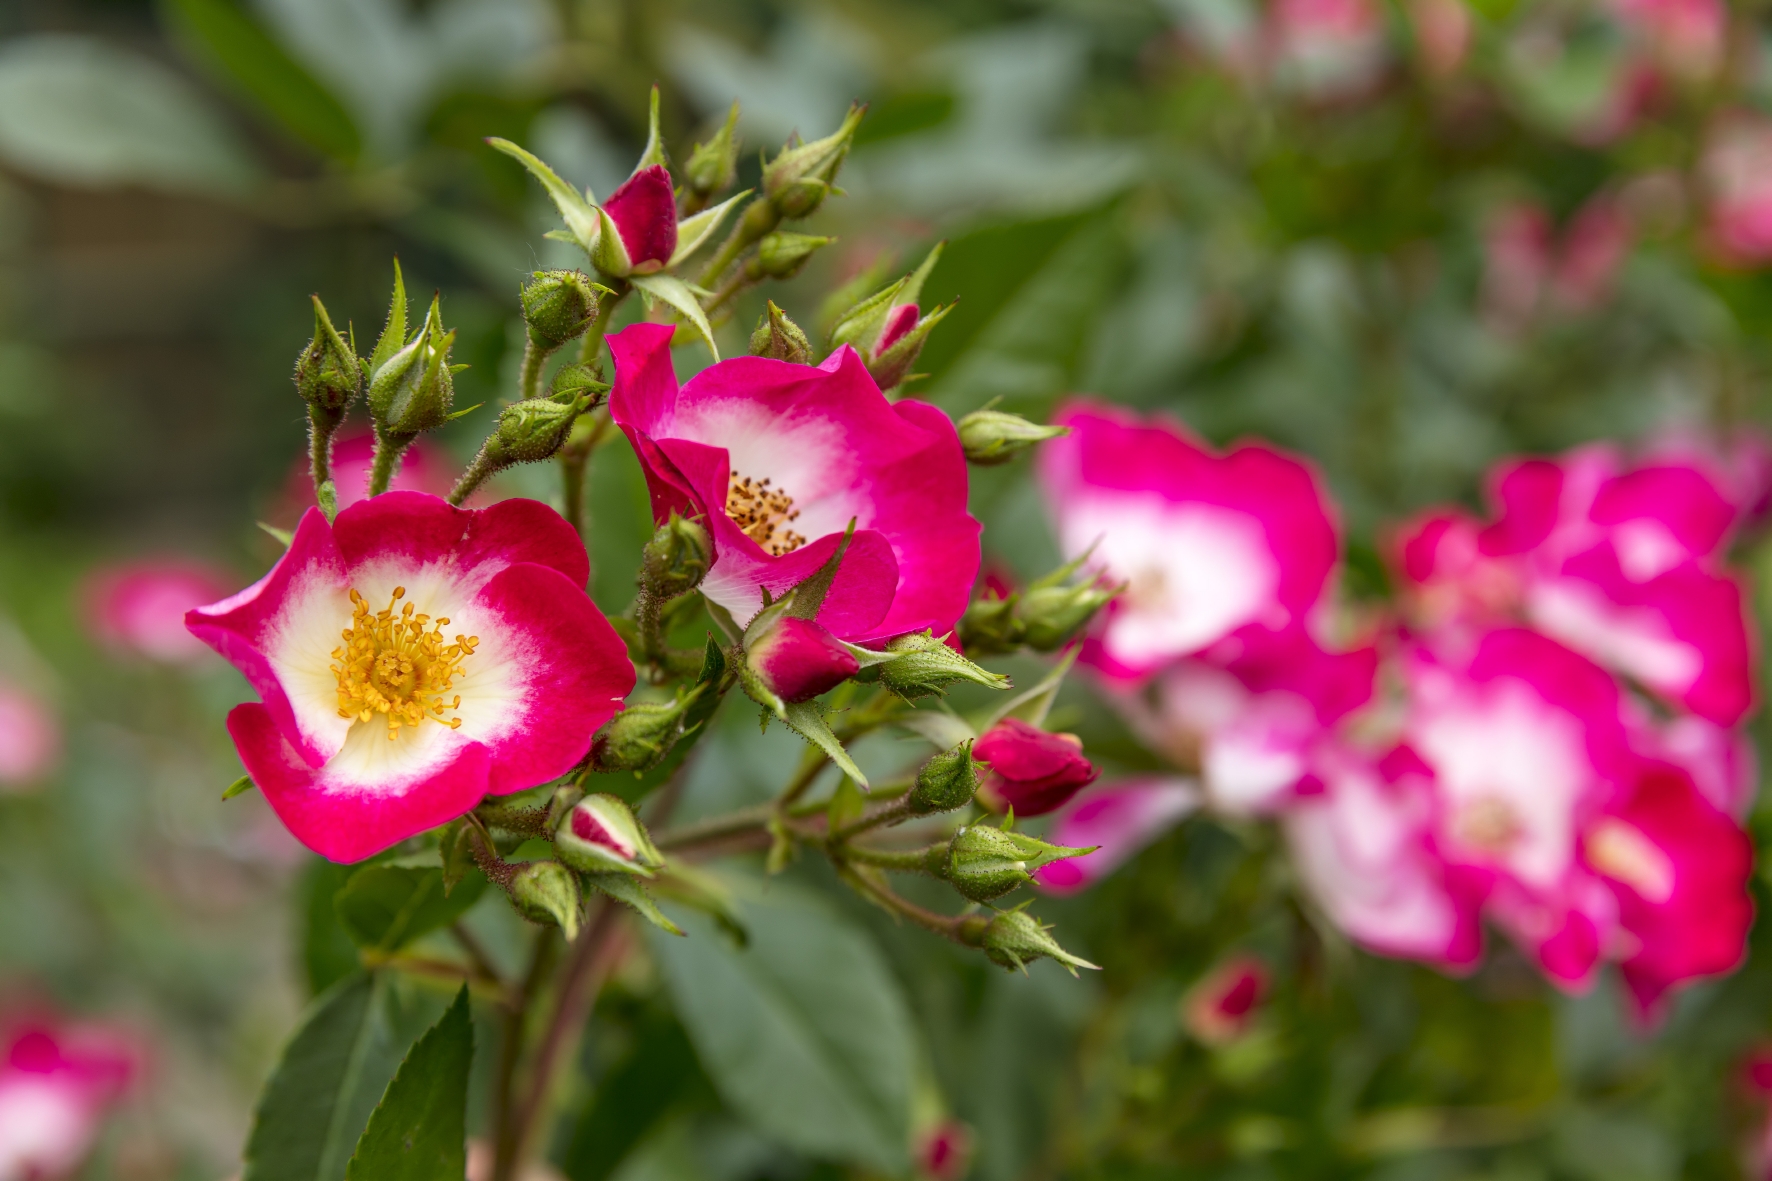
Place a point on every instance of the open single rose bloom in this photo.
(1207, 545)
(778, 458)
(412, 659)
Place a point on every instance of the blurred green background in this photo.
(1306, 251)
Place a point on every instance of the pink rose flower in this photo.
(1222, 1006)
(1528, 272)
(797, 660)
(139, 607)
(1363, 849)
(1120, 819)
(1210, 547)
(1686, 37)
(1737, 173)
(776, 459)
(1250, 722)
(30, 739)
(56, 1084)
(377, 723)
(1621, 563)
(1030, 770)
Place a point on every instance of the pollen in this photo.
(764, 513)
(394, 663)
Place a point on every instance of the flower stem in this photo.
(718, 828)
(506, 1119)
(388, 450)
(592, 344)
(909, 860)
(955, 927)
(593, 957)
(470, 481)
(529, 376)
(322, 425)
(899, 810)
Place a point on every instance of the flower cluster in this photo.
(1544, 737)
(57, 1082)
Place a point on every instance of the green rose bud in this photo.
(676, 558)
(945, 782)
(780, 338)
(986, 863)
(547, 892)
(328, 374)
(558, 306)
(1013, 938)
(990, 437)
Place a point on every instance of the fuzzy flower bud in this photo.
(676, 558)
(945, 782)
(990, 626)
(1051, 615)
(547, 892)
(531, 431)
(713, 166)
(985, 863)
(414, 390)
(780, 255)
(558, 306)
(796, 660)
(1012, 938)
(640, 735)
(328, 374)
(1031, 770)
(780, 338)
(990, 437)
(798, 179)
(922, 665)
(578, 378)
(602, 835)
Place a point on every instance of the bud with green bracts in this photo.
(601, 835)
(547, 892)
(780, 339)
(945, 782)
(638, 737)
(1014, 938)
(578, 378)
(676, 558)
(1051, 615)
(985, 863)
(713, 166)
(780, 255)
(533, 430)
(893, 365)
(921, 664)
(796, 182)
(558, 306)
(414, 390)
(989, 437)
(990, 626)
(328, 374)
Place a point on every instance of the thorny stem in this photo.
(506, 1119)
(478, 955)
(718, 828)
(470, 481)
(758, 218)
(322, 424)
(593, 957)
(575, 461)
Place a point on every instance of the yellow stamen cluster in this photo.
(763, 514)
(397, 665)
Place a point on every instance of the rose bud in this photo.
(677, 557)
(602, 835)
(991, 437)
(1031, 770)
(985, 863)
(547, 892)
(328, 374)
(780, 339)
(1013, 937)
(558, 306)
(1222, 1006)
(798, 659)
(945, 782)
(944, 1152)
(921, 664)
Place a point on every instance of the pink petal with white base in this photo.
(1206, 544)
(778, 459)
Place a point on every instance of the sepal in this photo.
(919, 664)
(547, 892)
(628, 890)
(601, 834)
(985, 862)
(1014, 938)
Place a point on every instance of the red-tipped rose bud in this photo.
(644, 213)
(1031, 770)
(1223, 1004)
(944, 1152)
(798, 659)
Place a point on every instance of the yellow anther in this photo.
(763, 513)
(397, 666)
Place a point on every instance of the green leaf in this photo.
(418, 1131)
(324, 1088)
(804, 1032)
(676, 294)
(626, 888)
(627, 1103)
(327, 953)
(225, 38)
(77, 111)
(807, 719)
(385, 907)
(579, 214)
(283, 536)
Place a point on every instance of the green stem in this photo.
(572, 488)
(718, 828)
(476, 475)
(322, 425)
(899, 810)
(592, 344)
(909, 860)
(955, 927)
(506, 1119)
(529, 377)
(388, 450)
(759, 218)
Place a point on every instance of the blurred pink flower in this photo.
(944, 1152)
(1222, 1006)
(1527, 273)
(1442, 34)
(1327, 49)
(56, 1083)
(1621, 562)
(30, 739)
(139, 607)
(424, 467)
(1737, 174)
(1121, 819)
(1685, 37)
(1211, 547)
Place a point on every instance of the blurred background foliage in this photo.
(1315, 253)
